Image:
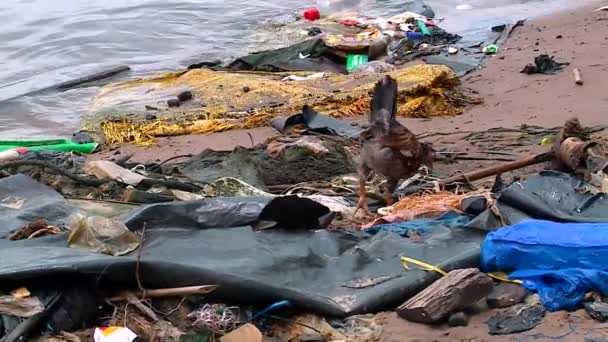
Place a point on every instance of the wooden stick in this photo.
(502, 168)
(170, 292)
(577, 76)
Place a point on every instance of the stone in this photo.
(185, 96)
(245, 333)
(173, 103)
(506, 294)
(458, 319)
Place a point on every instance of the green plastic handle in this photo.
(425, 30)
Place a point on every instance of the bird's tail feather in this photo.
(384, 100)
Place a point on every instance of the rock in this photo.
(246, 333)
(246, 89)
(477, 308)
(150, 117)
(520, 318)
(597, 310)
(185, 96)
(173, 103)
(83, 137)
(474, 205)
(455, 291)
(150, 108)
(506, 294)
(458, 319)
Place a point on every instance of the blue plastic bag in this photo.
(560, 261)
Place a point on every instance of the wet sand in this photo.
(556, 326)
(512, 98)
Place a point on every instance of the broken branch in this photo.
(577, 76)
(168, 292)
(494, 170)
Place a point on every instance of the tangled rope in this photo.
(219, 319)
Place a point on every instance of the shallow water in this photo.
(46, 42)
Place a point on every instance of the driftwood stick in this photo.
(169, 292)
(577, 76)
(502, 168)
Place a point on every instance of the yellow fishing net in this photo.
(229, 100)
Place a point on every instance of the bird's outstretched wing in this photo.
(382, 118)
(383, 104)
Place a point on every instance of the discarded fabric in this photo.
(544, 64)
(517, 319)
(421, 227)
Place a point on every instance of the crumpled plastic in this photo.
(102, 235)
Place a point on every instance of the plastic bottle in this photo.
(414, 35)
(425, 31)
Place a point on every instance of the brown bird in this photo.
(388, 147)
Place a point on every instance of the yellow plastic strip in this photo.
(423, 265)
(428, 267)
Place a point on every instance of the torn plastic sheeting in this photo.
(549, 195)
(23, 200)
(561, 261)
(309, 268)
(316, 122)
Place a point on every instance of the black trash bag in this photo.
(316, 122)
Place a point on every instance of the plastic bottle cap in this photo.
(312, 14)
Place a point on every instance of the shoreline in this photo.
(510, 97)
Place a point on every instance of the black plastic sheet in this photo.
(23, 200)
(551, 196)
(329, 272)
(317, 122)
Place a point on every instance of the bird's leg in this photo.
(362, 203)
(389, 199)
(390, 187)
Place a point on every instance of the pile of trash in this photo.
(244, 245)
(268, 242)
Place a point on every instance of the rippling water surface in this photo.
(45, 42)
